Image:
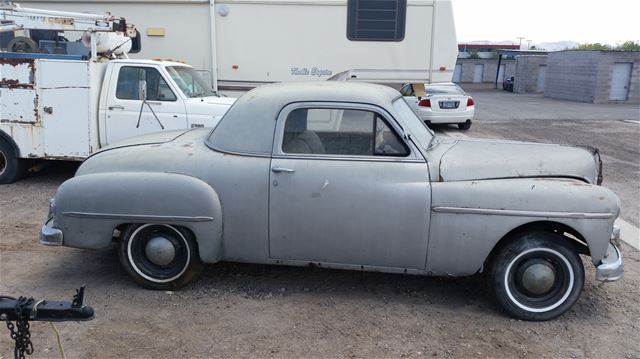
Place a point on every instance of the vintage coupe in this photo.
(345, 175)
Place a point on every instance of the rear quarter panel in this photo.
(88, 208)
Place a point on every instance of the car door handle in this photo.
(282, 170)
(116, 107)
(154, 103)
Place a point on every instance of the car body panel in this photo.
(469, 217)
(487, 159)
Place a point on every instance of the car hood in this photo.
(211, 105)
(492, 159)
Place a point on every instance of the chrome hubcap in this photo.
(160, 251)
(538, 278)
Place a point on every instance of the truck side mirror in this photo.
(142, 90)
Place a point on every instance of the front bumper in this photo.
(611, 267)
(49, 235)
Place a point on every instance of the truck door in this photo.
(127, 115)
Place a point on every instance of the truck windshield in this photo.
(190, 82)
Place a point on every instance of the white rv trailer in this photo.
(251, 42)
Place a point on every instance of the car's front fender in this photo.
(89, 207)
(470, 217)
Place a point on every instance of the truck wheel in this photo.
(537, 277)
(159, 256)
(12, 168)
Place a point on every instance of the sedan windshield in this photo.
(190, 82)
(422, 135)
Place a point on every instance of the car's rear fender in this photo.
(469, 218)
(88, 208)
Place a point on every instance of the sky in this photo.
(610, 21)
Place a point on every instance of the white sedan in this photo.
(440, 103)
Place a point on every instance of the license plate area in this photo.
(449, 105)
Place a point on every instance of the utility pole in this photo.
(520, 42)
(529, 44)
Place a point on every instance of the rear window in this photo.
(434, 90)
(376, 20)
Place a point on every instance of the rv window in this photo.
(376, 20)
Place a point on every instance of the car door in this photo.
(126, 116)
(345, 188)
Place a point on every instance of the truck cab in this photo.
(65, 98)
(142, 96)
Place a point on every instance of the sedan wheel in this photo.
(159, 256)
(537, 277)
(465, 125)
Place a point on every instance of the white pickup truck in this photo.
(68, 109)
(56, 104)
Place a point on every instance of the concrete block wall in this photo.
(490, 68)
(527, 70)
(585, 76)
(605, 70)
(571, 75)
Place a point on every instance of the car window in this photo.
(128, 82)
(340, 132)
(443, 89)
(407, 90)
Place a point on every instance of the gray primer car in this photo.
(345, 175)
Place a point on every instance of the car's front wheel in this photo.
(538, 276)
(159, 256)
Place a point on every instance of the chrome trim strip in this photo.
(512, 212)
(138, 217)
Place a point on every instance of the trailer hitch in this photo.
(23, 309)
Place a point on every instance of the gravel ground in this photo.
(239, 310)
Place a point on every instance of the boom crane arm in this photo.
(95, 27)
(14, 17)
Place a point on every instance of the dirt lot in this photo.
(268, 311)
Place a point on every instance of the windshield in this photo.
(422, 134)
(190, 82)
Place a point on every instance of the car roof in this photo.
(323, 91)
(249, 124)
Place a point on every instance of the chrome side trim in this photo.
(513, 212)
(138, 217)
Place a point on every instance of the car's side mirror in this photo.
(142, 90)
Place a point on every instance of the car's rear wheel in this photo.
(159, 256)
(537, 276)
(465, 126)
(12, 168)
